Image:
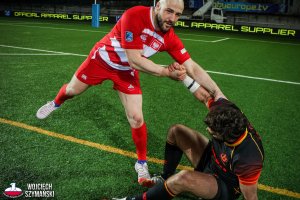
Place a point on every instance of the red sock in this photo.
(61, 97)
(139, 136)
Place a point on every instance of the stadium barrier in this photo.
(192, 24)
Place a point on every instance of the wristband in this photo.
(191, 84)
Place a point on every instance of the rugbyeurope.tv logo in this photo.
(13, 191)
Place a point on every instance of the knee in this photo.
(172, 132)
(185, 178)
(180, 181)
(75, 87)
(136, 120)
(71, 90)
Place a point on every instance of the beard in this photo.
(160, 24)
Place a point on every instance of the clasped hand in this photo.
(177, 71)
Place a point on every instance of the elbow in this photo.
(134, 63)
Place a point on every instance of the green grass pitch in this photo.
(262, 78)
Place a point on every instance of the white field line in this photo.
(55, 28)
(213, 41)
(178, 33)
(220, 40)
(253, 77)
(195, 40)
(41, 50)
(213, 72)
(33, 54)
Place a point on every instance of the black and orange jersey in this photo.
(240, 162)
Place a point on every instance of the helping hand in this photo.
(177, 71)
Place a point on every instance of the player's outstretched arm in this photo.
(137, 61)
(196, 72)
(199, 92)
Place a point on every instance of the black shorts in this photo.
(225, 191)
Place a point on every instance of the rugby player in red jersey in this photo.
(119, 56)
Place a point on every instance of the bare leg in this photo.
(133, 108)
(200, 184)
(66, 92)
(191, 142)
(76, 87)
(134, 113)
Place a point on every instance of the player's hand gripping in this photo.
(176, 71)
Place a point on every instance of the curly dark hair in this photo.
(228, 121)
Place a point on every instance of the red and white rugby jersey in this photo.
(135, 30)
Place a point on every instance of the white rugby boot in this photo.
(46, 110)
(144, 177)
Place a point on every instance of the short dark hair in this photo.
(226, 120)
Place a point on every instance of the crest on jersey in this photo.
(155, 44)
(128, 36)
(224, 157)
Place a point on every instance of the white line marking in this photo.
(264, 41)
(195, 40)
(33, 54)
(56, 28)
(220, 40)
(31, 49)
(253, 77)
(198, 35)
(213, 72)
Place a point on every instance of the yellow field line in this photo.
(127, 153)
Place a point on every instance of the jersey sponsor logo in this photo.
(155, 44)
(128, 36)
(143, 37)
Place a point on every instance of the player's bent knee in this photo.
(73, 91)
(185, 178)
(180, 182)
(173, 130)
(70, 91)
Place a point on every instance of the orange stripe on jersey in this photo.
(250, 180)
(239, 141)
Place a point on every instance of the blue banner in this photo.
(247, 7)
(195, 3)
